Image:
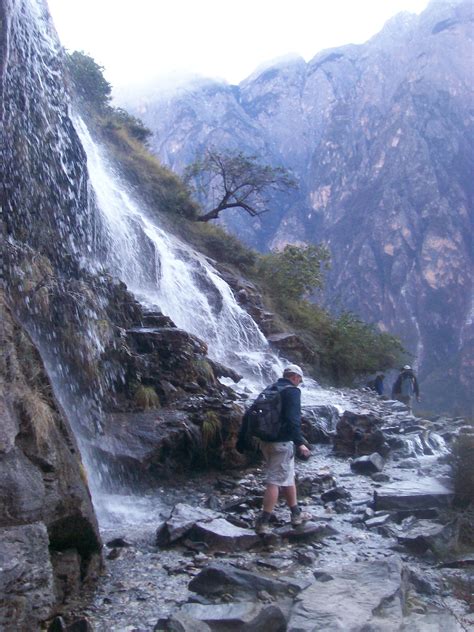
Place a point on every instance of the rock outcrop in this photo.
(50, 543)
(379, 137)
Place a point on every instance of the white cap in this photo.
(407, 367)
(293, 368)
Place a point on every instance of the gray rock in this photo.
(221, 534)
(219, 579)
(377, 521)
(183, 518)
(306, 531)
(181, 622)
(356, 597)
(422, 535)
(244, 616)
(431, 622)
(368, 464)
(418, 494)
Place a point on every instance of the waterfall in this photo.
(165, 273)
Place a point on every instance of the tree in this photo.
(294, 272)
(235, 180)
(88, 80)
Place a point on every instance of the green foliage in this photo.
(211, 429)
(134, 126)
(356, 348)
(145, 397)
(215, 242)
(88, 81)
(295, 271)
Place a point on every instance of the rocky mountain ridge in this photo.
(379, 136)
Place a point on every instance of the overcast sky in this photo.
(139, 41)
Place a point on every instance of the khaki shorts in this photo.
(279, 462)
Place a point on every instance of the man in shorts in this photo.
(279, 454)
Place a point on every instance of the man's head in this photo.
(293, 373)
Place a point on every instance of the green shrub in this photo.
(88, 81)
(294, 272)
(145, 397)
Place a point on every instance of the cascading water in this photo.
(181, 282)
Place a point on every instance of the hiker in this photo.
(378, 384)
(279, 453)
(405, 386)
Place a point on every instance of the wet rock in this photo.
(291, 346)
(275, 563)
(244, 616)
(318, 423)
(219, 579)
(359, 434)
(418, 494)
(335, 493)
(420, 536)
(377, 521)
(368, 464)
(431, 622)
(306, 531)
(180, 622)
(224, 371)
(183, 518)
(146, 445)
(117, 543)
(220, 533)
(80, 625)
(57, 625)
(380, 477)
(359, 596)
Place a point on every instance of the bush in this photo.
(295, 271)
(88, 81)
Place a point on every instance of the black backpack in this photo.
(263, 418)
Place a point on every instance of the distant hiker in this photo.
(279, 451)
(378, 384)
(405, 386)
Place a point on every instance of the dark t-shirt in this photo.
(290, 412)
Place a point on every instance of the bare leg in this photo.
(270, 497)
(290, 495)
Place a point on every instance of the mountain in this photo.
(380, 139)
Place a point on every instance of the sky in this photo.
(147, 41)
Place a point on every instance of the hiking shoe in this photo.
(299, 518)
(262, 527)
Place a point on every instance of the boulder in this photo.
(218, 579)
(243, 616)
(359, 434)
(368, 464)
(318, 423)
(221, 534)
(425, 493)
(307, 531)
(181, 622)
(291, 346)
(356, 597)
(420, 536)
(183, 518)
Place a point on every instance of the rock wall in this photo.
(49, 539)
(380, 138)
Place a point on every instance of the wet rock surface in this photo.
(399, 568)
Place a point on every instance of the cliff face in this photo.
(380, 139)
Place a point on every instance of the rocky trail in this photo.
(383, 552)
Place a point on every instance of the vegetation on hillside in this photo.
(344, 346)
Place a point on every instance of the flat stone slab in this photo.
(218, 579)
(220, 533)
(353, 597)
(418, 494)
(243, 616)
(421, 535)
(306, 531)
(182, 519)
(432, 622)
